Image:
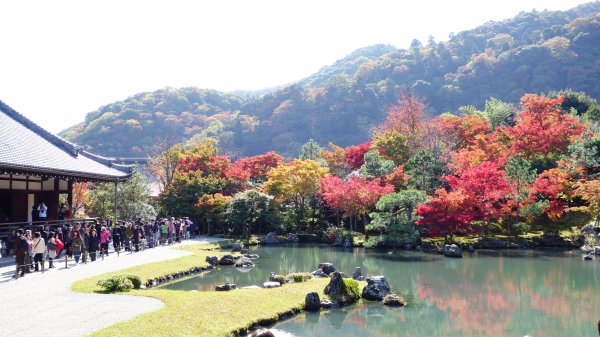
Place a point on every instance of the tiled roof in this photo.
(25, 146)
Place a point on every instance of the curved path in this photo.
(44, 305)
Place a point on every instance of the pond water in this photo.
(489, 293)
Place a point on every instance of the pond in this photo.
(489, 293)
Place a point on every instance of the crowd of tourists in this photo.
(85, 242)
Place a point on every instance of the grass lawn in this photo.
(189, 313)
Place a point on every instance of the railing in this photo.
(8, 227)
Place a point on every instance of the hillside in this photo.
(532, 52)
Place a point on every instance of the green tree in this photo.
(375, 166)
(499, 113)
(311, 151)
(394, 218)
(586, 152)
(182, 196)
(247, 208)
(423, 171)
(133, 199)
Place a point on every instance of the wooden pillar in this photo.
(70, 198)
(116, 201)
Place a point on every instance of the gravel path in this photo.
(44, 305)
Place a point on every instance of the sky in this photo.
(62, 59)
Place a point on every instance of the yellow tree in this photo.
(295, 183)
(589, 191)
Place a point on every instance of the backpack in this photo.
(52, 246)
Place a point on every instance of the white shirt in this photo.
(42, 208)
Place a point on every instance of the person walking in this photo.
(77, 246)
(104, 238)
(93, 244)
(21, 249)
(39, 249)
(52, 249)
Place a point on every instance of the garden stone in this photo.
(271, 284)
(327, 304)
(227, 260)
(587, 258)
(596, 250)
(347, 243)
(225, 287)
(262, 333)
(269, 239)
(318, 273)
(376, 288)
(252, 256)
(313, 303)
(293, 238)
(452, 251)
(357, 275)
(327, 268)
(394, 300)
(244, 251)
(212, 260)
(252, 287)
(236, 247)
(336, 289)
(244, 262)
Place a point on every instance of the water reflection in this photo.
(491, 293)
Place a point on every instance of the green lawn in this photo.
(189, 313)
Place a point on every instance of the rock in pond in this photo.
(327, 268)
(336, 289)
(212, 260)
(269, 239)
(227, 260)
(376, 289)
(312, 301)
(357, 274)
(225, 287)
(244, 262)
(327, 304)
(452, 251)
(271, 284)
(293, 238)
(236, 247)
(394, 300)
(262, 333)
(587, 258)
(252, 256)
(244, 251)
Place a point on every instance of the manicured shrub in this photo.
(282, 279)
(299, 277)
(352, 290)
(135, 280)
(117, 283)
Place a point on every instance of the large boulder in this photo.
(318, 273)
(452, 251)
(596, 250)
(212, 260)
(394, 300)
(236, 247)
(262, 333)
(227, 260)
(312, 301)
(336, 290)
(225, 287)
(269, 239)
(327, 268)
(376, 289)
(244, 262)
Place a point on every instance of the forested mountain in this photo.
(533, 52)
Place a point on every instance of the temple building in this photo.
(37, 166)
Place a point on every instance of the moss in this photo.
(352, 289)
(299, 277)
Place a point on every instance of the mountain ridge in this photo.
(531, 52)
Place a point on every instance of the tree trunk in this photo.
(208, 226)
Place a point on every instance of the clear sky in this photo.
(61, 59)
